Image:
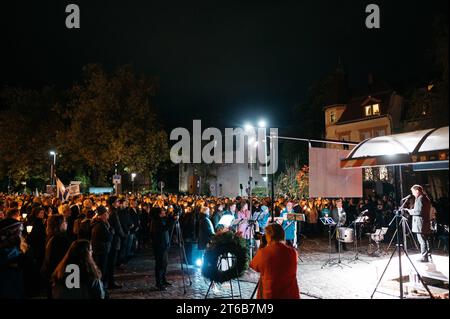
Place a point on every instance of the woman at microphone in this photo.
(421, 221)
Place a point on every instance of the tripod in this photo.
(399, 250)
(182, 252)
(405, 231)
(251, 224)
(256, 288)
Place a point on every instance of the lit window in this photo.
(332, 117)
(368, 174)
(384, 173)
(376, 109)
(373, 109)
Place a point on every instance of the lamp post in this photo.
(53, 167)
(133, 176)
(252, 143)
(262, 124)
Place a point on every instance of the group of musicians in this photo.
(251, 224)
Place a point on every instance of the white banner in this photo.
(74, 189)
(328, 179)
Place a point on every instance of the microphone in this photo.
(405, 198)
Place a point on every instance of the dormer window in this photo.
(373, 109)
(332, 117)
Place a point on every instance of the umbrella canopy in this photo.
(428, 148)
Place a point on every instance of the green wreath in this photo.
(222, 245)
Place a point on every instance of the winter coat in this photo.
(277, 264)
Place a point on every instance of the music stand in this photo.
(328, 221)
(358, 220)
(293, 219)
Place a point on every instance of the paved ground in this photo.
(349, 279)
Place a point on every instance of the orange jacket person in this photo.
(276, 256)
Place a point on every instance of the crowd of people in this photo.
(41, 237)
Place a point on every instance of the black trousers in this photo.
(112, 260)
(101, 259)
(161, 262)
(425, 248)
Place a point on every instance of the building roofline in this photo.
(333, 105)
(363, 119)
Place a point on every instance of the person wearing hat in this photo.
(12, 260)
(101, 238)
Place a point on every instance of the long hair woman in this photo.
(56, 246)
(90, 284)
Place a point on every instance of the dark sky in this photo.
(221, 61)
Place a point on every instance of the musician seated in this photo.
(268, 262)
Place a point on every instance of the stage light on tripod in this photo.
(199, 262)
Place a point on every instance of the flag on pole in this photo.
(63, 193)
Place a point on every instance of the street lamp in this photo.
(263, 124)
(133, 176)
(53, 153)
(248, 127)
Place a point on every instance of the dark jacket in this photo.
(75, 211)
(125, 220)
(11, 274)
(36, 241)
(55, 249)
(133, 215)
(160, 230)
(116, 228)
(187, 225)
(339, 220)
(205, 232)
(101, 237)
(216, 218)
(421, 215)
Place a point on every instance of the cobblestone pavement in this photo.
(352, 279)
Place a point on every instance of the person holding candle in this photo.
(14, 262)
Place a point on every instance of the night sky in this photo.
(220, 61)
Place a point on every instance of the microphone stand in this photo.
(356, 258)
(289, 225)
(399, 249)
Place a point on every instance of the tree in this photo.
(27, 133)
(109, 120)
(294, 181)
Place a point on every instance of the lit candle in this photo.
(29, 229)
